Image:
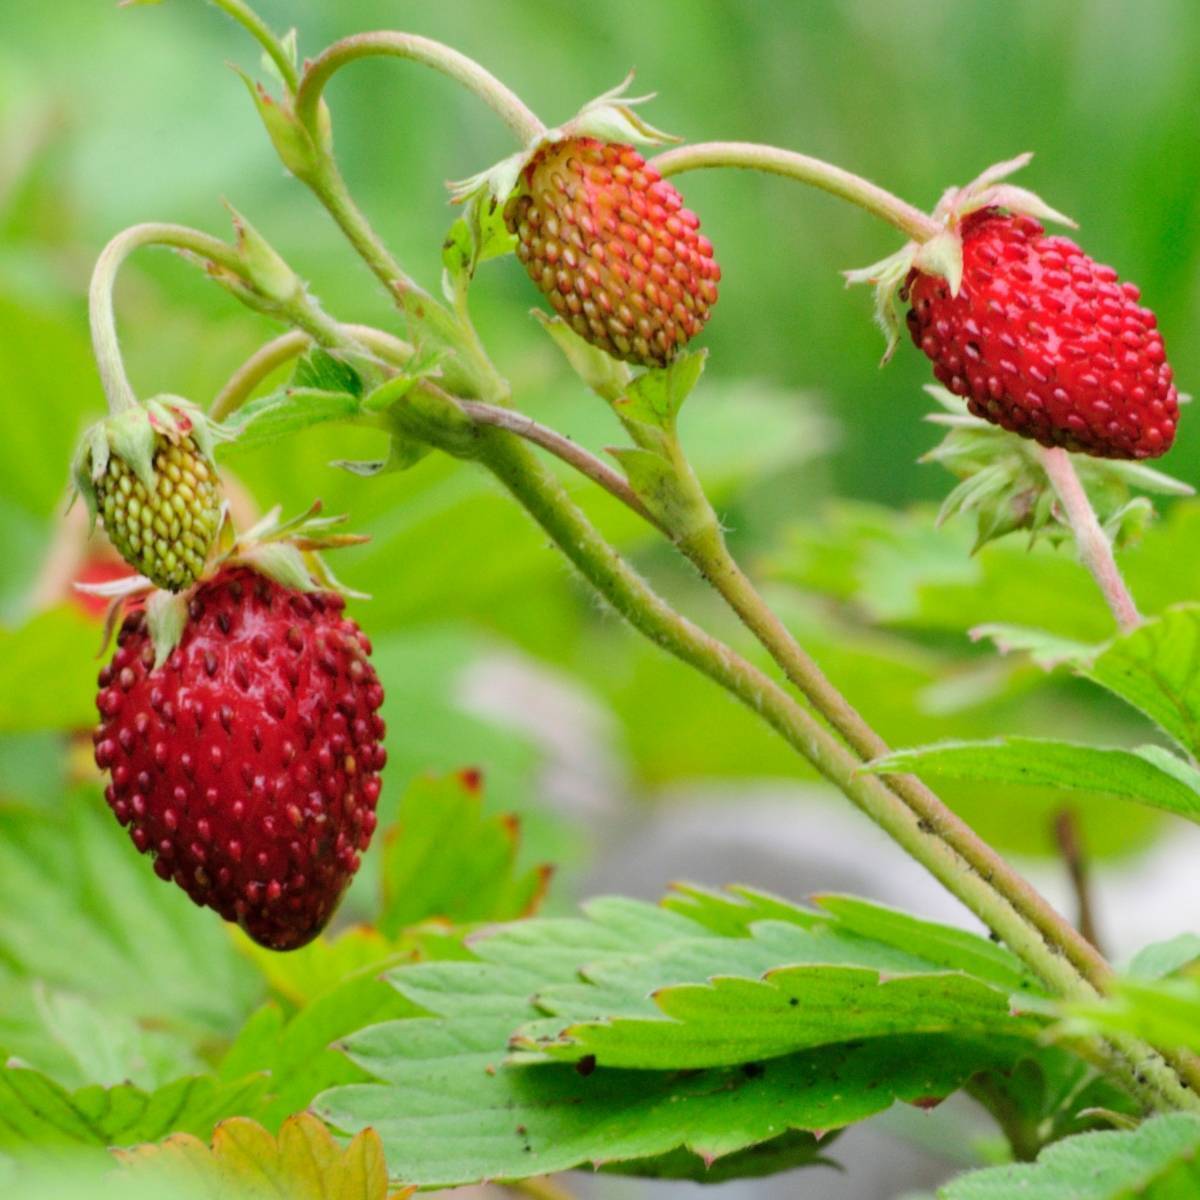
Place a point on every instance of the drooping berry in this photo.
(166, 531)
(612, 248)
(248, 764)
(1047, 343)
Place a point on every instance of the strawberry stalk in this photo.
(504, 102)
(905, 217)
(1092, 543)
(992, 898)
(227, 264)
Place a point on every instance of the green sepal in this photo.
(886, 276)
(133, 438)
(606, 376)
(325, 372)
(1004, 487)
(166, 616)
(610, 117)
(281, 562)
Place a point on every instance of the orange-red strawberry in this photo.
(248, 763)
(1045, 342)
(611, 246)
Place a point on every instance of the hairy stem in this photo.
(909, 220)
(507, 105)
(419, 306)
(1141, 1068)
(105, 343)
(267, 359)
(563, 448)
(242, 384)
(258, 29)
(1095, 550)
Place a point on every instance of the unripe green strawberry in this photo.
(148, 473)
(610, 245)
(165, 532)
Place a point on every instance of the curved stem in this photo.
(909, 220)
(1141, 1068)
(1095, 550)
(422, 309)
(507, 105)
(258, 29)
(287, 346)
(105, 343)
(255, 369)
(563, 448)
(710, 554)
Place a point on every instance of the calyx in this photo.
(941, 254)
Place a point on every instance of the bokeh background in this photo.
(628, 772)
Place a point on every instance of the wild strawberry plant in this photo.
(457, 1034)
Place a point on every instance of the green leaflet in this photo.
(444, 858)
(453, 1109)
(36, 1111)
(268, 418)
(118, 936)
(732, 1020)
(1157, 1161)
(1148, 774)
(1156, 668)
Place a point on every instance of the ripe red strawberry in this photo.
(1047, 343)
(611, 246)
(248, 763)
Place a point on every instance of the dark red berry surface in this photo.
(1047, 343)
(248, 764)
(611, 246)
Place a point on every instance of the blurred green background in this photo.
(110, 117)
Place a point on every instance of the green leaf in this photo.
(1047, 650)
(269, 418)
(1160, 959)
(453, 1109)
(78, 1043)
(478, 235)
(119, 936)
(452, 1114)
(445, 859)
(732, 1020)
(48, 673)
(1156, 668)
(1165, 1012)
(1147, 774)
(36, 1111)
(1158, 1161)
(297, 1054)
(320, 371)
